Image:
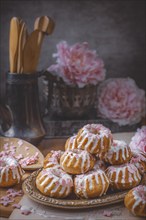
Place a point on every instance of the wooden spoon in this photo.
(30, 53)
(43, 26)
(13, 44)
(22, 40)
(46, 26)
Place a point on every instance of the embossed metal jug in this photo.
(23, 106)
(68, 102)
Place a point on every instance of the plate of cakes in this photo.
(94, 168)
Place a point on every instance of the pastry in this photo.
(10, 171)
(95, 138)
(53, 159)
(118, 153)
(122, 177)
(54, 183)
(135, 201)
(91, 184)
(77, 161)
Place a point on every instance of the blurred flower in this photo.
(77, 65)
(138, 141)
(121, 101)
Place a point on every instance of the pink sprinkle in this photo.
(6, 146)
(12, 148)
(17, 206)
(29, 160)
(3, 153)
(57, 183)
(107, 213)
(26, 148)
(19, 157)
(25, 212)
(10, 190)
(20, 142)
(63, 182)
(13, 193)
(5, 200)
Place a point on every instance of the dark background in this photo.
(115, 28)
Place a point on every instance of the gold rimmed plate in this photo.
(71, 202)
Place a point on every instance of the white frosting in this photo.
(10, 164)
(93, 135)
(126, 171)
(54, 181)
(120, 150)
(74, 158)
(91, 179)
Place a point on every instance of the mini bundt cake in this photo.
(139, 160)
(54, 183)
(95, 138)
(76, 161)
(135, 201)
(71, 143)
(53, 159)
(122, 177)
(10, 171)
(91, 184)
(118, 153)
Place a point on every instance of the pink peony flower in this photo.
(138, 141)
(121, 101)
(77, 65)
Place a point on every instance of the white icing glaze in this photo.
(85, 180)
(73, 158)
(7, 164)
(93, 135)
(53, 179)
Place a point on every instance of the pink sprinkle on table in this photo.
(17, 206)
(26, 148)
(107, 213)
(25, 210)
(20, 142)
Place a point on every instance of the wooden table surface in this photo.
(45, 146)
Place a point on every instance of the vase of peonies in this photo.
(73, 80)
